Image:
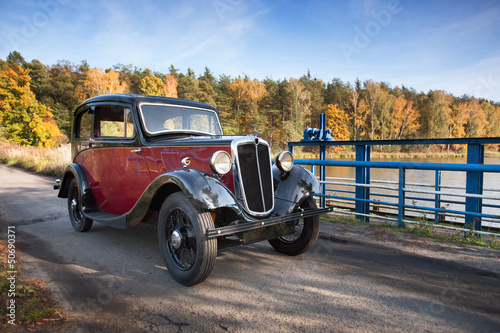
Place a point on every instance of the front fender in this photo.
(201, 189)
(292, 188)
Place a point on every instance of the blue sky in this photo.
(450, 45)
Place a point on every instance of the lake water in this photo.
(453, 179)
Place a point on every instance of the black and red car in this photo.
(144, 159)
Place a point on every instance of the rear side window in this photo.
(84, 128)
(114, 122)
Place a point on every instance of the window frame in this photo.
(164, 132)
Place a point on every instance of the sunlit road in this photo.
(114, 280)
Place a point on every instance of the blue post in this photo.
(437, 197)
(363, 177)
(474, 185)
(401, 208)
(322, 157)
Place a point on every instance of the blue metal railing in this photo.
(362, 199)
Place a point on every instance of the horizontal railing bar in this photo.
(405, 165)
(381, 181)
(432, 209)
(414, 184)
(396, 142)
(362, 185)
(463, 188)
(452, 194)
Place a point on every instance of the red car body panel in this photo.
(117, 177)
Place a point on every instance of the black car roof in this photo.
(134, 99)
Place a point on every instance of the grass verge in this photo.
(48, 161)
(424, 229)
(33, 306)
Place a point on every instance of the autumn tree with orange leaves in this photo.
(337, 121)
(28, 122)
(99, 82)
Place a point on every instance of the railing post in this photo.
(401, 202)
(363, 177)
(322, 157)
(437, 197)
(474, 185)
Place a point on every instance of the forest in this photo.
(37, 102)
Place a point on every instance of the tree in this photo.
(299, 110)
(493, 117)
(404, 121)
(247, 94)
(337, 121)
(225, 105)
(477, 124)
(316, 90)
(151, 85)
(99, 82)
(170, 86)
(357, 114)
(435, 114)
(28, 122)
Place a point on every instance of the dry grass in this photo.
(35, 308)
(49, 161)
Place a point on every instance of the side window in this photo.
(84, 127)
(114, 122)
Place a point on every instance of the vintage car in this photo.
(145, 159)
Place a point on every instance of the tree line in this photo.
(37, 102)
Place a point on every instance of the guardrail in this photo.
(403, 198)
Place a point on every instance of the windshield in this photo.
(163, 118)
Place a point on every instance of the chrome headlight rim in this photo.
(221, 162)
(284, 161)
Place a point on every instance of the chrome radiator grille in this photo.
(253, 162)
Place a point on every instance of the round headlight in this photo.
(220, 162)
(284, 161)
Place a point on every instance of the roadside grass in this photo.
(424, 229)
(35, 309)
(48, 161)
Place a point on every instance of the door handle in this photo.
(138, 150)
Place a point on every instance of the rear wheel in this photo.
(79, 222)
(306, 234)
(188, 254)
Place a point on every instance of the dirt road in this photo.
(354, 279)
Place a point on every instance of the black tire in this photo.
(188, 254)
(79, 222)
(306, 234)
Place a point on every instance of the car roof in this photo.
(135, 99)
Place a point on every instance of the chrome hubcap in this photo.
(74, 204)
(176, 239)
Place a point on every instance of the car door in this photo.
(119, 171)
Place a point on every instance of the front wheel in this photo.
(188, 254)
(79, 222)
(306, 234)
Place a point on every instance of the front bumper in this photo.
(277, 223)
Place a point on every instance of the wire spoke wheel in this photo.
(305, 235)
(180, 242)
(299, 228)
(79, 222)
(187, 253)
